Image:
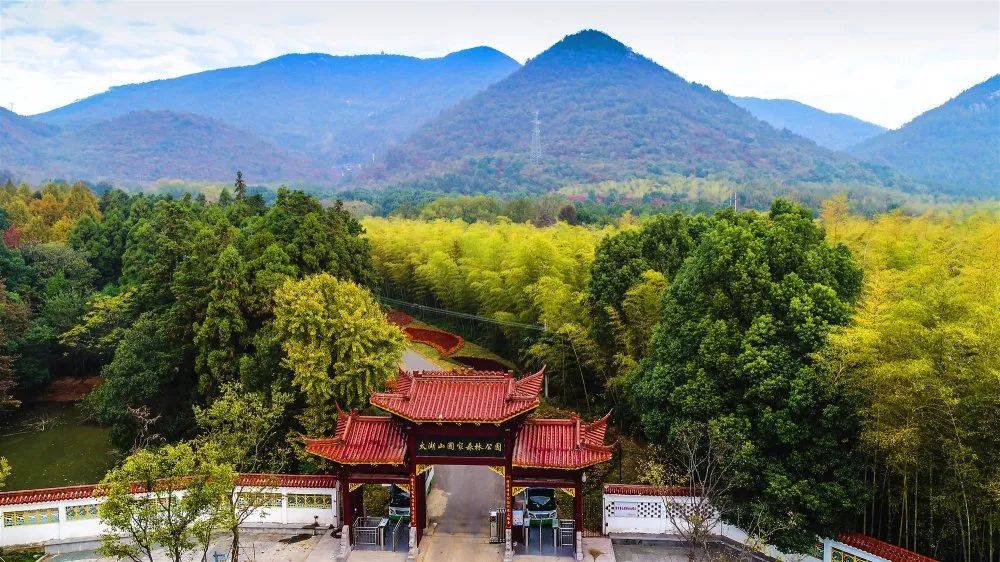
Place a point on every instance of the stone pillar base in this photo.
(345, 544)
(411, 555)
(579, 546)
(508, 549)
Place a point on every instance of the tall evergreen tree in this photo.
(240, 187)
(219, 337)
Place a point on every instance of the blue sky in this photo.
(882, 61)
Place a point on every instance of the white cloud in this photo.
(884, 62)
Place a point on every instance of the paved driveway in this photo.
(458, 515)
(469, 493)
(413, 361)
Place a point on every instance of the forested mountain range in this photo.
(954, 147)
(606, 113)
(155, 144)
(340, 107)
(21, 139)
(835, 131)
(295, 117)
(465, 122)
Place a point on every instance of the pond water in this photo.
(49, 444)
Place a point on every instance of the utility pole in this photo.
(536, 140)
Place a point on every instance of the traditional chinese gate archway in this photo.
(460, 418)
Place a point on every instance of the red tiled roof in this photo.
(644, 490)
(362, 440)
(568, 444)
(16, 497)
(883, 549)
(288, 480)
(47, 494)
(460, 396)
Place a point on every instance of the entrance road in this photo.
(458, 514)
(470, 492)
(413, 361)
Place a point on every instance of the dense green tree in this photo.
(741, 322)
(13, 320)
(219, 336)
(144, 378)
(103, 239)
(661, 244)
(155, 246)
(54, 282)
(107, 318)
(240, 187)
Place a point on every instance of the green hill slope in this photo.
(954, 147)
(148, 145)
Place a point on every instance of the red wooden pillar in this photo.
(578, 500)
(420, 515)
(414, 504)
(346, 506)
(578, 512)
(508, 495)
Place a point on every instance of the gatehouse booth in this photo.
(460, 418)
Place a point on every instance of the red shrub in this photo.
(481, 363)
(399, 318)
(12, 237)
(445, 342)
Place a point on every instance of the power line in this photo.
(463, 315)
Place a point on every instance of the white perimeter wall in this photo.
(627, 514)
(90, 528)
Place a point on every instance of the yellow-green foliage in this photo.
(506, 271)
(337, 343)
(925, 349)
(715, 191)
(49, 214)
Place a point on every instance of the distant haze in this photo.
(882, 62)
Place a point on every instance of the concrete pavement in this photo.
(457, 514)
(414, 361)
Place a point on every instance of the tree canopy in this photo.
(337, 343)
(734, 349)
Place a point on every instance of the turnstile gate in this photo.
(497, 525)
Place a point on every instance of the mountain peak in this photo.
(590, 40)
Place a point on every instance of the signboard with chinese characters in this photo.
(624, 509)
(452, 446)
